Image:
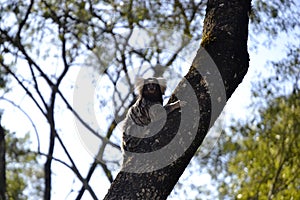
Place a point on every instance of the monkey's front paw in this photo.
(182, 103)
(178, 104)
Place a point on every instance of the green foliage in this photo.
(260, 158)
(24, 175)
(2, 80)
(266, 166)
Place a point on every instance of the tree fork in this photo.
(225, 35)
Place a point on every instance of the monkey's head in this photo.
(151, 89)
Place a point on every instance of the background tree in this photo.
(2, 162)
(265, 166)
(259, 158)
(24, 173)
(21, 174)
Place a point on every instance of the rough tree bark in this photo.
(225, 36)
(2, 163)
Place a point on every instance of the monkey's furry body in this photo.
(148, 115)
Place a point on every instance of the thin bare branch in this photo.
(36, 86)
(23, 22)
(75, 169)
(96, 162)
(104, 139)
(8, 70)
(28, 117)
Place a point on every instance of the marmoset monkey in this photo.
(147, 110)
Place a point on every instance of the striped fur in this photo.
(147, 109)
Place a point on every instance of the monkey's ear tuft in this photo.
(139, 84)
(163, 84)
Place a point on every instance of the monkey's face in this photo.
(152, 90)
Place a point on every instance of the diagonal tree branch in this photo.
(23, 22)
(225, 40)
(7, 68)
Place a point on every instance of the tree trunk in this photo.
(2, 163)
(224, 45)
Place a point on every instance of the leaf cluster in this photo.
(259, 158)
(24, 175)
(265, 164)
